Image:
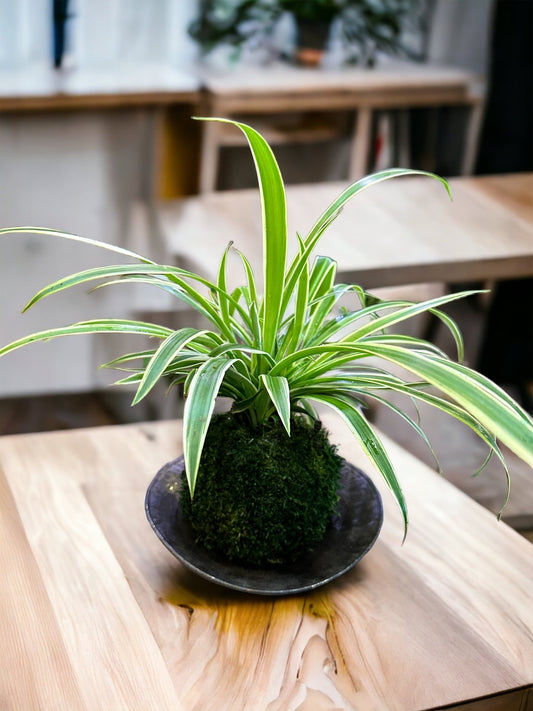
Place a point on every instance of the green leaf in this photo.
(333, 327)
(333, 211)
(199, 407)
(250, 279)
(338, 351)
(403, 313)
(278, 389)
(274, 230)
(127, 357)
(324, 296)
(150, 274)
(108, 325)
(238, 380)
(453, 328)
(222, 287)
(398, 411)
(75, 238)
(300, 310)
(372, 445)
(413, 391)
(396, 339)
(230, 328)
(132, 379)
(487, 402)
(162, 357)
(238, 348)
(185, 362)
(322, 277)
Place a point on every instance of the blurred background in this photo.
(95, 104)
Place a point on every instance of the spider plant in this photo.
(278, 353)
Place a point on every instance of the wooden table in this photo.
(96, 613)
(402, 231)
(264, 93)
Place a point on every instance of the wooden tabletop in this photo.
(281, 87)
(399, 232)
(97, 614)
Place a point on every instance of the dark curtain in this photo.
(507, 136)
(507, 147)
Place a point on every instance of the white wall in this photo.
(100, 32)
(25, 34)
(132, 31)
(461, 34)
(76, 172)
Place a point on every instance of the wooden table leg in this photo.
(209, 158)
(473, 131)
(360, 148)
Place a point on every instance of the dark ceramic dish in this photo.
(353, 531)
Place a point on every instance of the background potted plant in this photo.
(262, 478)
(365, 27)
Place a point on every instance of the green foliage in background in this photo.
(366, 26)
(278, 353)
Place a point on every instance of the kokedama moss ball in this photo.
(262, 496)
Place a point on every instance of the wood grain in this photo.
(35, 671)
(513, 191)
(113, 654)
(444, 619)
(460, 546)
(403, 231)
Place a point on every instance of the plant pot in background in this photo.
(311, 37)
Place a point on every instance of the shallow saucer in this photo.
(353, 531)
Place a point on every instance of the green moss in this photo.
(262, 496)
